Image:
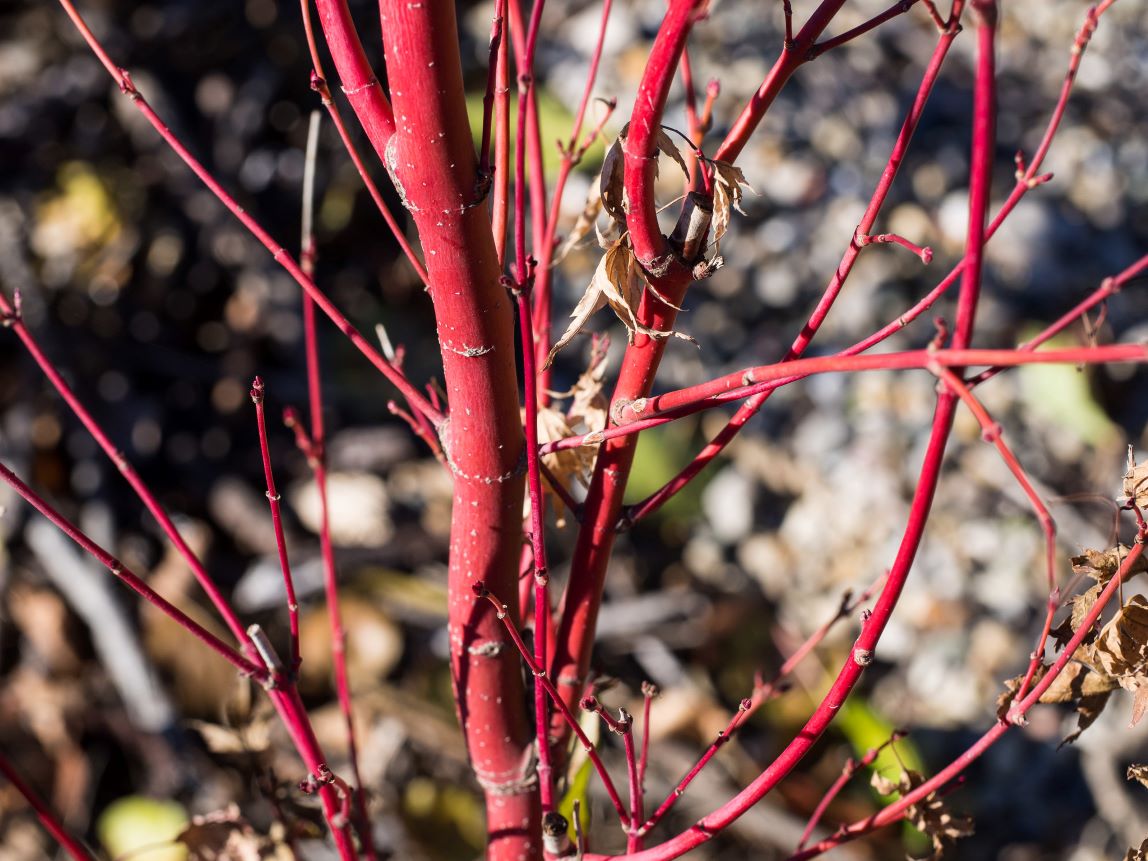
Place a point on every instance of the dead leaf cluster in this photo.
(930, 815)
(619, 279)
(226, 836)
(1114, 657)
(1136, 480)
(586, 413)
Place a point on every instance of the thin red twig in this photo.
(257, 396)
(314, 446)
(131, 580)
(319, 85)
(852, 766)
(1016, 712)
(542, 678)
(76, 850)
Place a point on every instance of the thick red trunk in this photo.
(432, 161)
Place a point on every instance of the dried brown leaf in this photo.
(618, 282)
(1078, 683)
(1082, 604)
(567, 466)
(666, 145)
(222, 836)
(882, 784)
(1139, 772)
(1121, 650)
(611, 181)
(1101, 565)
(929, 815)
(228, 741)
(588, 406)
(1136, 480)
(728, 183)
(587, 219)
(1140, 854)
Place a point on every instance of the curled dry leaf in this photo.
(587, 412)
(1136, 480)
(226, 836)
(930, 815)
(611, 181)
(1121, 652)
(618, 282)
(1140, 854)
(1100, 565)
(1117, 657)
(728, 183)
(567, 466)
(588, 406)
(666, 145)
(1138, 772)
(587, 219)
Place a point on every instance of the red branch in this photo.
(75, 849)
(432, 161)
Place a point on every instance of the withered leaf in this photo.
(728, 182)
(1122, 647)
(228, 741)
(1101, 565)
(587, 219)
(1139, 772)
(611, 181)
(588, 406)
(567, 465)
(930, 815)
(1136, 480)
(618, 282)
(666, 145)
(1077, 683)
(1140, 854)
(223, 836)
(1082, 604)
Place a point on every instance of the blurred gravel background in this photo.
(160, 310)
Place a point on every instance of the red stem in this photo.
(542, 623)
(844, 268)
(431, 157)
(524, 62)
(75, 849)
(359, 83)
(898, 8)
(315, 448)
(671, 277)
(575, 631)
(862, 653)
(257, 395)
(572, 153)
(852, 766)
(991, 432)
(542, 678)
(501, 198)
(678, 791)
(795, 53)
(634, 837)
(649, 691)
(649, 412)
